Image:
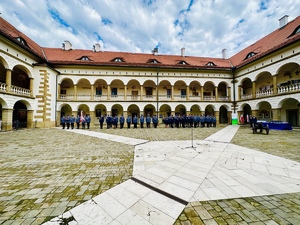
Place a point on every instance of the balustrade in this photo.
(209, 98)
(288, 88)
(3, 87)
(20, 90)
(246, 96)
(264, 93)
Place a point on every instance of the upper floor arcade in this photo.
(15, 81)
(119, 89)
(265, 84)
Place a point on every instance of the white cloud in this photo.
(204, 28)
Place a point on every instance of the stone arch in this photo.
(117, 110)
(83, 109)
(165, 110)
(195, 109)
(100, 110)
(133, 110)
(223, 114)
(66, 89)
(100, 88)
(208, 90)
(288, 74)
(133, 89)
(149, 109)
(20, 77)
(3, 68)
(222, 90)
(264, 110)
(195, 87)
(289, 111)
(21, 116)
(210, 110)
(180, 109)
(180, 88)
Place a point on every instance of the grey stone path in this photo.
(168, 175)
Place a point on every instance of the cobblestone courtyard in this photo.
(45, 172)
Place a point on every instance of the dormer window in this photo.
(84, 58)
(182, 62)
(296, 31)
(251, 54)
(117, 60)
(21, 40)
(153, 61)
(210, 64)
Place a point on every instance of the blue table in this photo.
(278, 125)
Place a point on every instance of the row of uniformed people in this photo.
(190, 121)
(112, 121)
(67, 121)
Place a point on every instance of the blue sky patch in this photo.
(106, 21)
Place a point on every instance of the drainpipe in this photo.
(157, 93)
(234, 99)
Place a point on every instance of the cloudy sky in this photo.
(203, 27)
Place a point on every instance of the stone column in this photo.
(239, 92)
(94, 119)
(276, 114)
(229, 93)
(253, 89)
(8, 80)
(229, 115)
(255, 113)
(172, 94)
(7, 116)
(30, 122)
(187, 92)
(58, 91)
(201, 93)
(125, 92)
(75, 91)
(58, 118)
(275, 84)
(92, 92)
(216, 93)
(108, 92)
(31, 85)
(142, 92)
(217, 115)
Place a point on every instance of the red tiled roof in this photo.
(59, 56)
(273, 41)
(10, 32)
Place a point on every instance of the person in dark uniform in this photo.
(88, 121)
(165, 121)
(108, 121)
(135, 121)
(183, 121)
(72, 121)
(171, 121)
(78, 121)
(142, 120)
(63, 122)
(113, 122)
(101, 121)
(128, 121)
(214, 121)
(176, 121)
(148, 120)
(122, 120)
(117, 120)
(155, 121)
(67, 119)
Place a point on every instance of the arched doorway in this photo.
(209, 110)
(223, 115)
(165, 110)
(100, 110)
(290, 111)
(20, 115)
(195, 110)
(116, 110)
(180, 110)
(149, 109)
(66, 110)
(133, 110)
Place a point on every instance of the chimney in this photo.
(155, 51)
(96, 48)
(66, 46)
(224, 53)
(183, 52)
(283, 21)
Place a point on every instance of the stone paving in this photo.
(17, 208)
